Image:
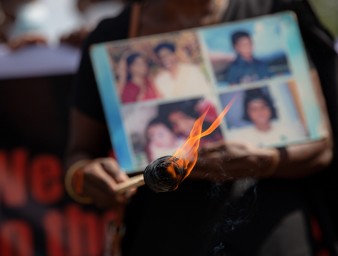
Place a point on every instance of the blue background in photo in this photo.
(281, 99)
(268, 39)
(265, 34)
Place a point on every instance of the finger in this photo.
(102, 194)
(113, 169)
(95, 175)
(102, 199)
(101, 183)
(99, 196)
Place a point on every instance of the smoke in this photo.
(238, 209)
(219, 250)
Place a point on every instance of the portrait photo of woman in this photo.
(134, 81)
(260, 118)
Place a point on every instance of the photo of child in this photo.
(182, 116)
(162, 129)
(260, 117)
(161, 140)
(246, 53)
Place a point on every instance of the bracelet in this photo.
(73, 172)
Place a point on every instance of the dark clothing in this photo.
(85, 94)
(243, 71)
(197, 220)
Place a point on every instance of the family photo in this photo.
(162, 129)
(160, 68)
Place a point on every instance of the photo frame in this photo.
(260, 63)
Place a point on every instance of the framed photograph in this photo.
(153, 88)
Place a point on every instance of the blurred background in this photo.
(326, 10)
(40, 44)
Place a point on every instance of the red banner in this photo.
(36, 215)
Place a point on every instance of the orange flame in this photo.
(187, 154)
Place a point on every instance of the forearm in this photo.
(72, 157)
(305, 159)
(90, 175)
(301, 160)
(233, 160)
(86, 138)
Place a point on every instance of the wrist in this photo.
(269, 162)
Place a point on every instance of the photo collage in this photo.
(153, 88)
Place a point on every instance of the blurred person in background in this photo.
(44, 22)
(192, 220)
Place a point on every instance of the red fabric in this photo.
(131, 92)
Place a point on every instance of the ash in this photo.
(159, 179)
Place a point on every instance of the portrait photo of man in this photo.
(247, 53)
(246, 67)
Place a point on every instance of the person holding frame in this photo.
(193, 220)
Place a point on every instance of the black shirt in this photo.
(197, 219)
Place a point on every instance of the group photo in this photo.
(163, 67)
(162, 129)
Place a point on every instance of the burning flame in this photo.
(187, 154)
